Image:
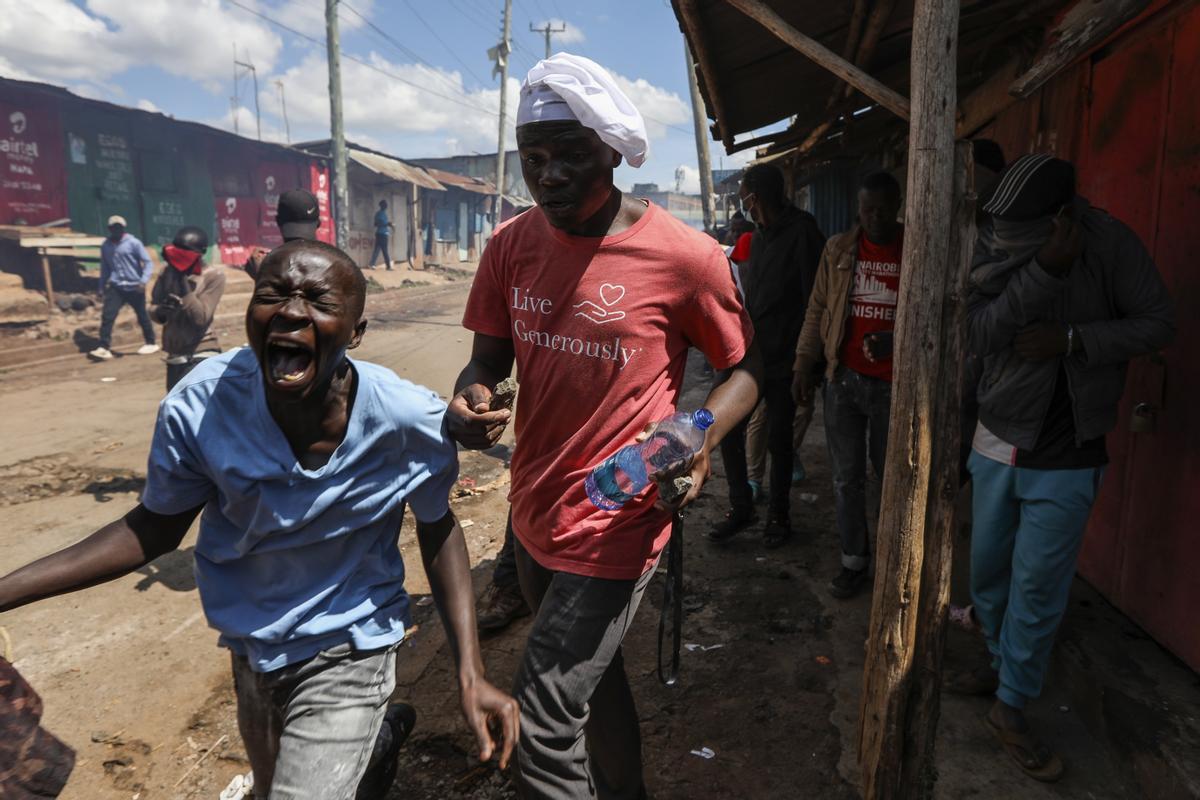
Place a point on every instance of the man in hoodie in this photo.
(184, 300)
(1061, 297)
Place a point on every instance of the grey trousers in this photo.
(309, 728)
(579, 727)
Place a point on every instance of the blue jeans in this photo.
(381, 248)
(857, 407)
(114, 299)
(1027, 531)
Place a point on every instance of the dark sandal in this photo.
(1031, 756)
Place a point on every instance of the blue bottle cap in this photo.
(702, 419)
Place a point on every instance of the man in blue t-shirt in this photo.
(125, 269)
(383, 233)
(303, 462)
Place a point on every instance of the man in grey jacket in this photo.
(1062, 296)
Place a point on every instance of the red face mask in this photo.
(186, 261)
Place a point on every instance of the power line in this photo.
(406, 51)
(435, 35)
(462, 102)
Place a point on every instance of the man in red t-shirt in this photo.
(848, 328)
(597, 297)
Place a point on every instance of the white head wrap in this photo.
(569, 87)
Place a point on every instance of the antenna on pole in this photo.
(283, 105)
(254, 74)
(234, 101)
(548, 29)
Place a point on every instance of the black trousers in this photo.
(504, 573)
(781, 412)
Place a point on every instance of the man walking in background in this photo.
(125, 269)
(782, 264)
(849, 325)
(383, 235)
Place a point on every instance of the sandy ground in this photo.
(132, 679)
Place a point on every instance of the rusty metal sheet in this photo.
(465, 182)
(395, 169)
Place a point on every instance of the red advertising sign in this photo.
(271, 179)
(237, 227)
(321, 185)
(33, 183)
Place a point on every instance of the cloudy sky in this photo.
(415, 75)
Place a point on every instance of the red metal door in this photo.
(1142, 163)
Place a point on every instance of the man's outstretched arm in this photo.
(117, 549)
(488, 710)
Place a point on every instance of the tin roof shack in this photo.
(74, 162)
(483, 167)
(376, 176)
(460, 219)
(1108, 84)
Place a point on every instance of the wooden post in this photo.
(901, 680)
(764, 15)
(46, 277)
(416, 249)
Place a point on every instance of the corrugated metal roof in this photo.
(395, 169)
(750, 79)
(466, 182)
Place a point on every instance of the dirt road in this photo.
(132, 678)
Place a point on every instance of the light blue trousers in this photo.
(1027, 528)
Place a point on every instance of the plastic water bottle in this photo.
(667, 453)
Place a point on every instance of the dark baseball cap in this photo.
(298, 215)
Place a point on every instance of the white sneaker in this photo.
(101, 354)
(147, 349)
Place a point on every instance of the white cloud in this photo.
(57, 40)
(148, 105)
(690, 183)
(660, 108)
(572, 35)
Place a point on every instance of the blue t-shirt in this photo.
(290, 561)
(381, 223)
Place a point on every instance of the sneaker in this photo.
(777, 532)
(798, 472)
(735, 519)
(848, 583)
(147, 350)
(499, 607)
(755, 491)
(101, 354)
(398, 723)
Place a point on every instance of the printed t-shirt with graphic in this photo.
(601, 329)
(292, 561)
(872, 300)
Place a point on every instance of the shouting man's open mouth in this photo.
(290, 363)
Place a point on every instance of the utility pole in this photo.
(235, 101)
(283, 105)
(253, 74)
(499, 54)
(341, 189)
(547, 30)
(702, 157)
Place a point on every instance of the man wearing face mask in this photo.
(778, 279)
(1061, 297)
(849, 325)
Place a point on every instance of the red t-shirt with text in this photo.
(872, 302)
(601, 329)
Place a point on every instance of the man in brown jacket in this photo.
(848, 328)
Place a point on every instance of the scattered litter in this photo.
(824, 661)
(108, 379)
(703, 648)
(200, 760)
(240, 787)
(467, 482)
(425, 601)
(466, 523)
(809, 497)
(704, 752)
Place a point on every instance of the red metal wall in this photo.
(1129, 118)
